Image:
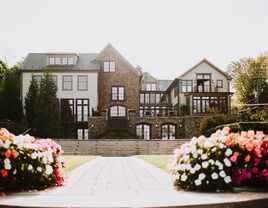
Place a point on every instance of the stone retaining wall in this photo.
(119, 147)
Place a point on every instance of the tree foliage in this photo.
(11, 105)
(30, 102)
(47, 116)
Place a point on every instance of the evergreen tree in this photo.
(11, 105)
(47, 117)
(30, 102)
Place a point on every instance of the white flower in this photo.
(183, 177)
(34, 155)
(205, 164)
(227, 162)
(197, 167)
(195, 155)
(204, 156)
(49, 170)
(192, 170)
(30, 167)
(6, 161)
(214, 176)
(7, 144)
(213, 149)
(219, 164)
(227, 179)
(222, 174)
(228, 152)
(7, 166)
(200, 151)
(211, 162)
(15, 172)
(39, 169)
(201, 176)
(188, 167)
(221, 146)
(1, 143)
(197, 182)
(208, 143)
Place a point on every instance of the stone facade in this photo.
(124, 75)
(186, 127)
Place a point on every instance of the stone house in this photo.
(103, 96)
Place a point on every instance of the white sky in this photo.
(164, 37)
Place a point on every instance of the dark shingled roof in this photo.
(86, 61)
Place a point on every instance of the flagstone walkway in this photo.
(126, 182)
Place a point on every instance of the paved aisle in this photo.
(120, 182)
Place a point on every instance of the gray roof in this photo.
(38, 61)
(164, 84)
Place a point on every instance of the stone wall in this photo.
(124, 75)
(119, 147)
(186, 127)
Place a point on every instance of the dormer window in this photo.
(151, 87)
(70, 61)
(57, 60)
(109, 66)
(51, 61)
(64, 60)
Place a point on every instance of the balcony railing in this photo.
(206, 88)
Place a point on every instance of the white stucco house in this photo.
(76, 77)
(199, 89)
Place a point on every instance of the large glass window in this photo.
(64, 60)
(186, 86)
(143, 131)
(118, 93)
(57, 60)
(203, 83)
(202, 105)
(82, 133)
(70, 61)
(220, 83)
(82, 110)
(82, 82)
(67, 82)
(168, 131)
(67, 110)
(109, 66)
(150, 86)
(118, 111)
(51, 61)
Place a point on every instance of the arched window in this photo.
(168, 131)
(143, 131)
(118, 111)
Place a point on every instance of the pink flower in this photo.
(247, 158)
(234, 157)
(263, 173)
(257, 152)
(249, 147)
(254, 170)
(257, 161)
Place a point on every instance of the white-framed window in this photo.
(67, 82)
(55, 79)
(118, 111)
(109, 66)
(82, 134)
(118, 92)
(186, 86)
(57, 60)
(143, 131)
(82, 82)
(51, 60)
(70, 61)
(82, 110)
(220, 83)
(64, 60)
(151, 87)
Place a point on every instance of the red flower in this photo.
(4, 173)
(8, 153)
(14, 153)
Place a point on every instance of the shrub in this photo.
(29, 163)
(211, 121)
(222, 161)
(244, 126)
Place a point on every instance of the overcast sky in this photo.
(164, 37)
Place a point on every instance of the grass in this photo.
(159, 161)
(74, 161)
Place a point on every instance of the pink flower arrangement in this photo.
(29, 163)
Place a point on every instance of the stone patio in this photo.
(127, 182)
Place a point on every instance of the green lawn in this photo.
(74, 161)
(159, 161)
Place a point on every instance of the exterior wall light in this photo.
(156, 126)
(180, 125)
(196, 124)
(92, 125)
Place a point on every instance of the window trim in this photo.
(169, 124)
(117, 92)
(63, 82)
(70, 58)
(37, 81)
(50, 62)
(73, 107)
(150, 84)
(59, 59)
(76, 108)
(142, 126)
(109, 64)
(221, 81)
(186, 80)
(56, 80)
(78, 76)
(117, 116)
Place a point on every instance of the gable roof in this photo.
(164, 84)
(38, 61)
(109, 46)
(209, 63)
